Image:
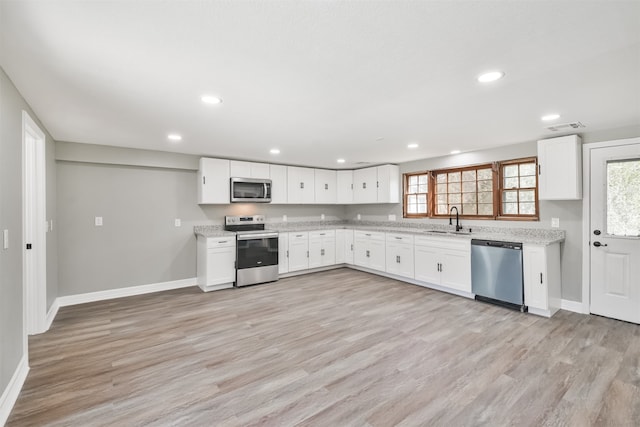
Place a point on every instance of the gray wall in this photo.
(139, 194)
(11, 287)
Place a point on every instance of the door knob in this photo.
(598, 244)
(597, 232)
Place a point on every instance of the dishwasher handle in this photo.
(497, 244)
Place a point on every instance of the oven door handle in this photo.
(257, 236)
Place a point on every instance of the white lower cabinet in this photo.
(369, 249)
(216, 262)
(443, 261)
(298, 251)
(322, 248)
(399, 254)
(344, 246)
(542, 278)
(283, 253)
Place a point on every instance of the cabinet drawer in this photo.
(369, 235)
(221, 242)
(303, 235)
(454, 243)
(400, 238)
(323, 234)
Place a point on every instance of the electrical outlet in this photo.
(359, 217)
(284, 218)
(98, 221)
(392, 217)
(321, 217)
(555, 222)
(50, 225)
(177, 222)
(5, 239)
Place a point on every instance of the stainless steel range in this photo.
(256, 250)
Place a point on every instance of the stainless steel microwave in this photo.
(250, 190)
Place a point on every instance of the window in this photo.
(416, 188)
(502, 190)
(518, 188)
(469, 189)
(623, 198)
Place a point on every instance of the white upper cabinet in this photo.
(300, 185)
(364, 185)
(213, 181)
(325, 186)
(344, 187)
(388, 184)
(278, 175)
(249, 170)
(560, 168)
(380, 184)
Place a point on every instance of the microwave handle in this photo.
(265, 189)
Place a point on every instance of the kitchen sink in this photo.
(461, 232)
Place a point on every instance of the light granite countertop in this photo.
(537, 236)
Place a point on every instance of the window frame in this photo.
(405, 195)
(518, 217)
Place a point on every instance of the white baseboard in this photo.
(124, 292)
(575, 306)
(10, 394)
(51, 314)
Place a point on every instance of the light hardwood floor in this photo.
(338, 348)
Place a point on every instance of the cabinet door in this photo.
(377, 254)
(221, 265)
(426, 262)
(315, 250)
(535, 277)
(325, 186)
(283, 253)
(240, 169)
(348, 246)
(213, 181)
(388, 184)
(329, 248)
(340, 246)
(364, 185)
(300, 185)
(455, 269)
(405, 258)
(260, 170)
(344, 186)
(278, 174)
(392, 264)
(298, 251)
(308, 179)
(560, 168)
(361, 251)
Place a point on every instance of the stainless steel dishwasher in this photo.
(496, 273)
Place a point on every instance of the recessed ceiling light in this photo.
(174, 137)
(412, 145)
(274, 151)
(210, 99)
(550, 117)
(340, 160)
(455, 152)
(491, 76)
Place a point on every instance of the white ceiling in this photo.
(321, 79)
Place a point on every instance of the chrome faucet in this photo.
(458, 226)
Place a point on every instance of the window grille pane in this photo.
(527, 181)
(454, 187)
(422, 208)
(423, 179)
(412, 189)
(485, 208)
(422, 199)
(510, 196)
(469, 209)
(413, 180)
(441, 188)
(441, 199)
(623, 198)
(511, 182)
(454, 198)
(469, 175)
(412, 208)
(527, 196)
(423, 188)
(485, 197)
(486, 185)
(485, 174)
(469, 187)
(454, 177)
(510, 208)
(511, 170)
(441, 178)
(528, 169)
(442, 209)
(527, 208)
(469, 197)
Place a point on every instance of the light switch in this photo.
(50, 225)
(284, 218)
(359, 217)
(177, 222)
(5, 239)
(555, 222)
(321, 217)
(392, 217)
(98, 221)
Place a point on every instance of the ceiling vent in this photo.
(362, 163)
(566, 126)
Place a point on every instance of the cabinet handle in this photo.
(541, 278)
(222, 241)
(322, 234)
(398, 238)
(367, 254)
(352, 247)
(302, 185)
(307, 254)
(367, 234)
(352, 186)
(326, 186)
(539, 169)
(364, 185)
(298, 235)
(287, 253)
(398, 259)
(204, 180)
(322, 252)
(377, 184)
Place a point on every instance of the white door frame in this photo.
(34, 261)
(586, 214)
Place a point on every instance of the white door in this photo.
(34, 212)
(615, 232)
